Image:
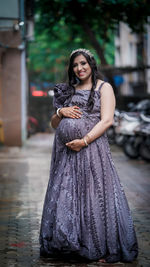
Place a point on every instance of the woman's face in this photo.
(82, 68)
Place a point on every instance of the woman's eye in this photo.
(83, 63)
(74, 65)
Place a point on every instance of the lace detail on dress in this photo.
(62, 95)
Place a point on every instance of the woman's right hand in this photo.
(71, 112)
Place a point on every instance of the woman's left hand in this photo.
(76, 144)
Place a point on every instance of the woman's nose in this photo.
(79, 67)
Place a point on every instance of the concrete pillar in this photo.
(13, 97)
(11, 105)
(13, 88)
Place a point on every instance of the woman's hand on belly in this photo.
(76, 144)
(71, 112)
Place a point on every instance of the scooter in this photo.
(143, 106)
(145, 132)
(127, 123)
(139, 143)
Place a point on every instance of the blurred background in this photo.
(36, 39)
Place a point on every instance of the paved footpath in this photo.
(24, 174)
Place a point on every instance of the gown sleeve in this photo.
(62, 95)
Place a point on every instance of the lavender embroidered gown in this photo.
(85, 211)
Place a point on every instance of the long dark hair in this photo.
(73, 80)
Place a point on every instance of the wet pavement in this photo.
(24, 174)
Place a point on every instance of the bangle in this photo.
(57, 112)
(86, 143)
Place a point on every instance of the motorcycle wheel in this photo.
(145, 151)
(129, 149)
(119, 139)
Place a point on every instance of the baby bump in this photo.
(70, 129)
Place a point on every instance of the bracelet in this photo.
(86, 143)
(57, 112)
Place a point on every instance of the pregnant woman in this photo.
(86, 212)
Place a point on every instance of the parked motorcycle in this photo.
(139, 143)
(127, 123)
(143, 106)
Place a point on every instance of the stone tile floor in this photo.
(24, 174)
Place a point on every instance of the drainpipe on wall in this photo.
(23, 74)
(148, 56)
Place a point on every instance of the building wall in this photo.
(13, 90)
(131, 51)
(126, 47)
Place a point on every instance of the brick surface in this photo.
(24, 174)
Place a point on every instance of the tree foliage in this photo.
(64, 25)
(90, 19)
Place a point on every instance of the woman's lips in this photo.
(81, 73)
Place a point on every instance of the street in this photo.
(24, 174)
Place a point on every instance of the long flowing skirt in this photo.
(86, 212)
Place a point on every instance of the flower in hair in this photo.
(82, 50)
